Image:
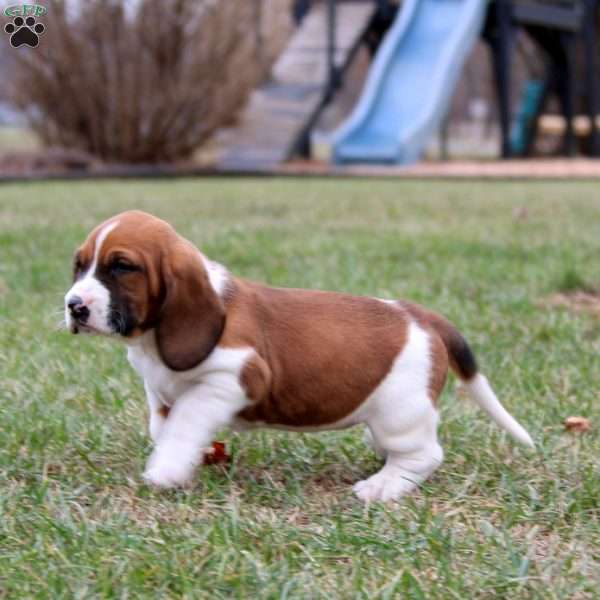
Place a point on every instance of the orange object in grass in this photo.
(217, 454)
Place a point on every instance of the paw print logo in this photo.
(24, 32)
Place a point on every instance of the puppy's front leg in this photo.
(158, 413)
(193, 421)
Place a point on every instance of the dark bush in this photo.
(147, 81)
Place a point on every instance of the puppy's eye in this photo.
(121, 266)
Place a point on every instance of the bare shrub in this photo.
(148, 83)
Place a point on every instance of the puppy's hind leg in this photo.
(403, 421)
(369, 440)
(412, 455)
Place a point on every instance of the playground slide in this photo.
(410, 84)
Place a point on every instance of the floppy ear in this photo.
(192, 317)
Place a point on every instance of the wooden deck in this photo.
(277, 112)
(520, 169)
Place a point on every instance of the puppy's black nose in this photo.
(78, 309)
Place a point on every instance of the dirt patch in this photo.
(579, 301)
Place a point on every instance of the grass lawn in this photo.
(496, 521)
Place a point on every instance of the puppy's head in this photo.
(134, 273)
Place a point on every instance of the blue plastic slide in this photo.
(410, 84)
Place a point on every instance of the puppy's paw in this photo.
(388, 484)
(165, 472)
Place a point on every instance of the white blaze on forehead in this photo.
(102, 235)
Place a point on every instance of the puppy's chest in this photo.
(163, 382)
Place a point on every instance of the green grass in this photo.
(496, 521)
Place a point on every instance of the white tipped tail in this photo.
(481, 392)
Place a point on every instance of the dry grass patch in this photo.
(579, 301)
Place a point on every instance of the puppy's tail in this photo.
(463, 363)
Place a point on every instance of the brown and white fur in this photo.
(215, 351)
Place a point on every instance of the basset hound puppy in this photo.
(215, 350)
